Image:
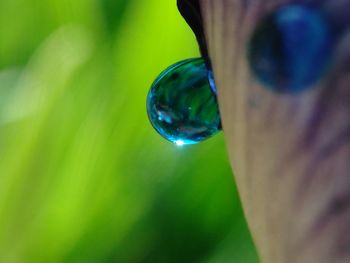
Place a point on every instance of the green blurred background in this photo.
(83, 177)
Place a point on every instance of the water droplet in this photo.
(181, 105)
(290, 49)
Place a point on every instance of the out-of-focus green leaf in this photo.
(83, 176)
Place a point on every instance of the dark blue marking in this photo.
(290, 50)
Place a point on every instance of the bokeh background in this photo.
(83, 177)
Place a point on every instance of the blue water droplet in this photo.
(290, 49)
(181, 105)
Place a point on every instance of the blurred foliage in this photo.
(83, 177)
